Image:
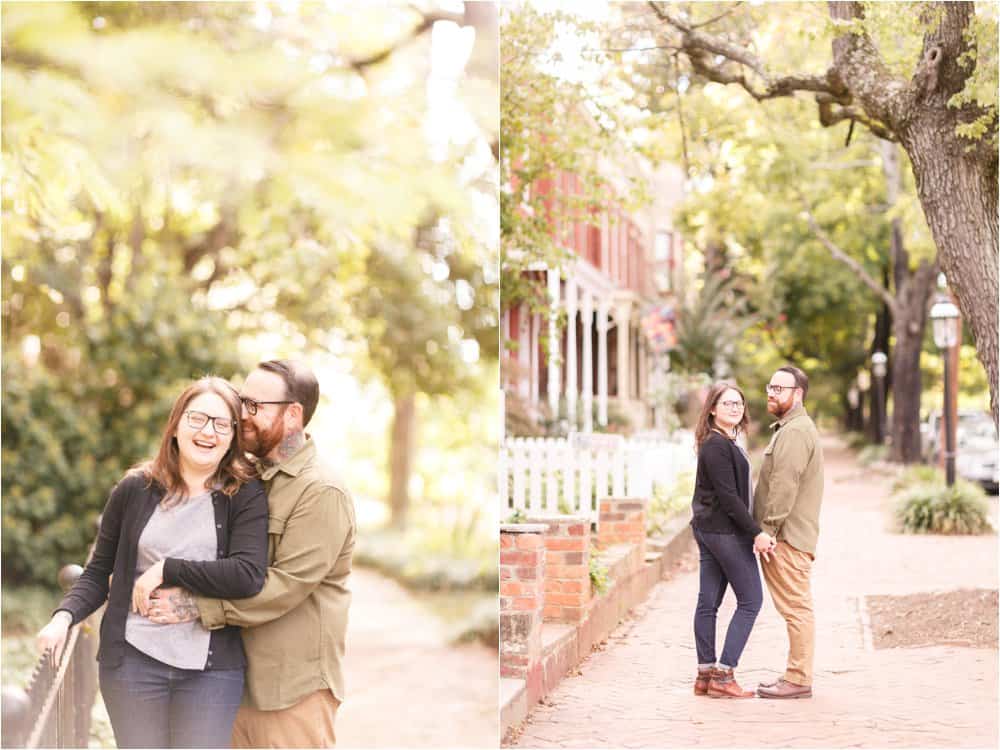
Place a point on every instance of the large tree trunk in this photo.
(913, 290)
(401, 445)
(959, 198)
(908, 327)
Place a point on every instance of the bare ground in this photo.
(967, 617)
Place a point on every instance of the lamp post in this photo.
(854, 403)
(864, 383)
(945, 318)
(878, 370)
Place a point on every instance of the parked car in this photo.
(977, 448)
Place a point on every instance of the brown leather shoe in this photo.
(701, 682)
(724, 685)
(784, 689)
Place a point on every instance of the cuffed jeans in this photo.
(152, 704)
(726, 560)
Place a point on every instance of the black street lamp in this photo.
(878, 370)
(945, 319)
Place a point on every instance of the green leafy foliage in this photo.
(599, 580)
(192, 187)
(872, 454)
(934, 508)
(554, 122)
(668, 503)
(914, 475)
(70, 433)
(709, 325)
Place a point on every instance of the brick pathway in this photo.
(637, 691)
(406, 687)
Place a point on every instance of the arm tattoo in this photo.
(183, 605)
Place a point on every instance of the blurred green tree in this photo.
(181, 177)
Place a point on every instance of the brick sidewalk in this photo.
(406, 687)
(637, 691)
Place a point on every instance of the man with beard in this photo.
(294, 628)
(786, 505)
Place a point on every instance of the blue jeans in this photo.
(152, 704)
(726, 560)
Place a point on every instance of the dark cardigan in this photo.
(238, 571)
(721, 492)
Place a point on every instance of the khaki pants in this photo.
(787, 575)
(309, 723)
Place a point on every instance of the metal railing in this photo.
(53, 709)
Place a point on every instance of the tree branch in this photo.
(701, 48)
(883, 97)
(828, 117)
(848, 261)
(719, 17)
(427, 20)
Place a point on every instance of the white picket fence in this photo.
(549, 476)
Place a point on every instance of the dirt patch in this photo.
(955, 618)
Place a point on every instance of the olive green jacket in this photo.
(789, 492)
(294, 628)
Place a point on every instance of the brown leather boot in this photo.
(724, 685)
(701, 682)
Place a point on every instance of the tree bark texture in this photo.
(401, 446)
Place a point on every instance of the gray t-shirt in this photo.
(749, 477)
(185, 531)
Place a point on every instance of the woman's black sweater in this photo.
(721, 501)
(238, 571)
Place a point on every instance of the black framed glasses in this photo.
(198, 419)
(731, 404)
(775, 390)
(252, 405)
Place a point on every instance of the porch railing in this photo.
(53, 709)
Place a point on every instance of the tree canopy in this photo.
(181, 178)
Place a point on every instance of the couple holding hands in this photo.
(778, 520)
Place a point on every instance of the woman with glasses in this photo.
(727, 538)
(194, 516)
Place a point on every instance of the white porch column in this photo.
(587, 319)
(622, 315)
(524, 351)
(571, 352)
(602, 363)
(554, 340)
(536, 352)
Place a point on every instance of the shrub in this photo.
(918, 474)
(927, 508)
(668, 502)
(871, 454)
(70, 431)
(856, 440)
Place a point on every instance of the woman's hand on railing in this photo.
(52, 638)
(148, 581)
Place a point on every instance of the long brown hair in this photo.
(706, 422)
(234, 469)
